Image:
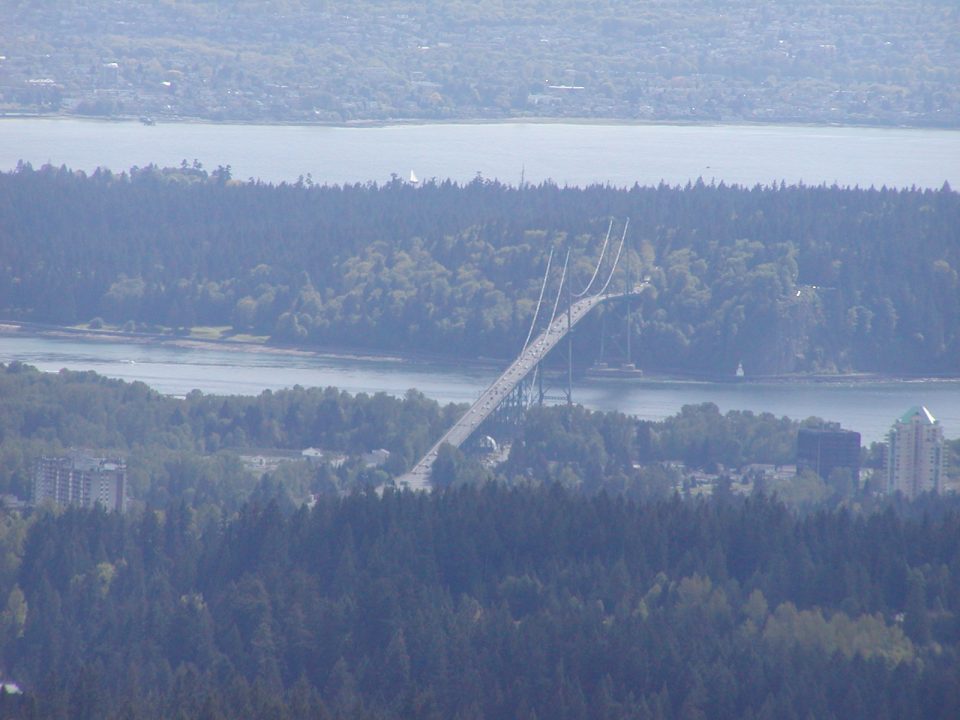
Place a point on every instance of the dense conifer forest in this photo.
(782, 279)
(486, 602)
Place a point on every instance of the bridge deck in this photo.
(419, 476)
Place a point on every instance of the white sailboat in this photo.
(413, 179)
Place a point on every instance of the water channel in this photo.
(868, 406)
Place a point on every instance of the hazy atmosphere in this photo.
(479, 360)
(825, 61)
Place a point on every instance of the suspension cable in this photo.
(556, 304)
(563, 277)
(617, 260)
(596, 271)
(533, 323)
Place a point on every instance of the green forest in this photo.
(785, 279)
(485, 602)
(269, 560)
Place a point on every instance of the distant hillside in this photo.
(875, 61)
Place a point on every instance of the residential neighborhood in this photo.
(338, 62)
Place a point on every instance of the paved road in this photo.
(419, 476)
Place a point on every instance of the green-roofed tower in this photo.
(915, 454)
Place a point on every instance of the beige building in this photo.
(81, 480)
(915, 454)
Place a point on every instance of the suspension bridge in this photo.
(511, 390)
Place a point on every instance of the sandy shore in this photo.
(11, 327)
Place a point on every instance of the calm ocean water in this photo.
(572, 154)
(868, 407)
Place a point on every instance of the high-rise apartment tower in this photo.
(915, 454)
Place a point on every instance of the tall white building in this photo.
(915, 454)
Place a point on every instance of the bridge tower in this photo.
(616, 345)
(569, 347)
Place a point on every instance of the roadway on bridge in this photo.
(419, 476)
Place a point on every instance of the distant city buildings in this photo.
(915, 454)
(824, 450)
(81, 480)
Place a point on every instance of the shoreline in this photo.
(428, 122)
(43, 330)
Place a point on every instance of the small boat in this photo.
(413, 179)
(623, 370)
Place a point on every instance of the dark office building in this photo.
(824, 450)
